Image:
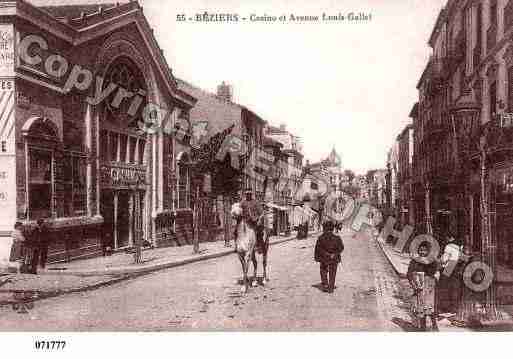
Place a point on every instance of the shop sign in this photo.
(6, 50)
(123, 176)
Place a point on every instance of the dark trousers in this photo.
(39, 257)
(34, 260)
(43, 256)
(329, 269)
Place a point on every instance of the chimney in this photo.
(225, 92)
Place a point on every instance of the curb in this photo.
(385, 254)
(155, 267)
(137, 272)
(40, 295)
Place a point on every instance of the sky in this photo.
(348, 85)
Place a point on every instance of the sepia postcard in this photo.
(255, 166)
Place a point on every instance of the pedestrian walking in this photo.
(328, 252)
(18, 248)
(422, 275)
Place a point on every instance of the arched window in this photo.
(183, 198)
(41, 136)
(119, 139)
(127, 76)
(56, 179)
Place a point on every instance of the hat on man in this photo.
(328, 226)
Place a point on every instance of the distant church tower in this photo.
(225, 92)
(334, 159)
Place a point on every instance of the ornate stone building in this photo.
(463, 133)
(73, 104)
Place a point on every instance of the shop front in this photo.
(53, 180)
(123, 193)
(501, 207)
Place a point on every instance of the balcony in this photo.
(437, 128)
(458, 52)
(438, 73)
(438, 67)
(499, 138)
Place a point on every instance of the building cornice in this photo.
(490, 57)
(43, 20)
(75, 37)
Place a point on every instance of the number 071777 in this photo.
(50, 345)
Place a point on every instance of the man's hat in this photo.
(328, 226)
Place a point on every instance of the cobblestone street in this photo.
(205, 296)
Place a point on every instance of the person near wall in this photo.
(328, 252)
(451, 279)
(18, 249)
(40, 239)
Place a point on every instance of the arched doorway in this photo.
(123, 160)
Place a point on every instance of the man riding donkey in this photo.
(253, 214)
(250, 214)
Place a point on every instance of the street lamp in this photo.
(489, 248)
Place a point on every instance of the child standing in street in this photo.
(328, 251)
(423, 275)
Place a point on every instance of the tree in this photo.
(204, 161)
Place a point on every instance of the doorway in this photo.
(107, 212)
(122, 211)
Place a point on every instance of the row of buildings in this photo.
(451, 169)
(84, 165)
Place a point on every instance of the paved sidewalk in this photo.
(93, 273)
(400, 261)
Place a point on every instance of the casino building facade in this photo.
(71, 148)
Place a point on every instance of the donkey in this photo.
(244, 244)
(262, 247)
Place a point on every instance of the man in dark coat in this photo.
(40, 239)
(328, 250)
